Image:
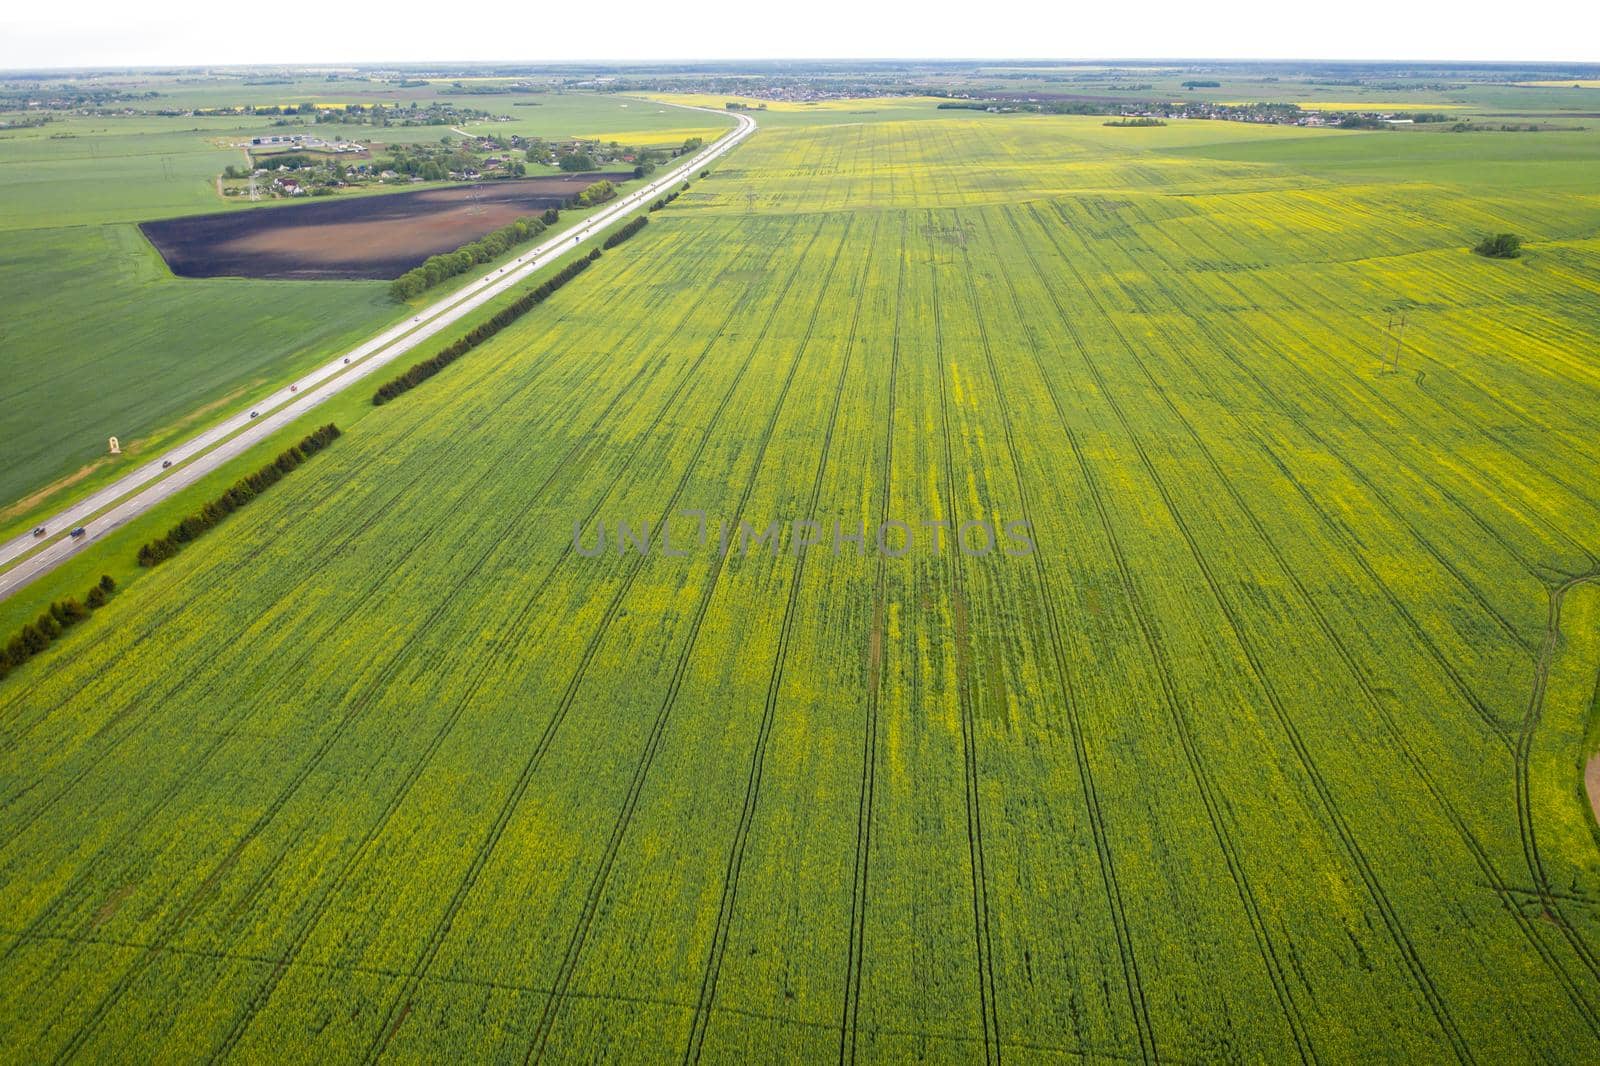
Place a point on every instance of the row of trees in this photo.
(243, 491)
(424, 370)
(437, 268)
(60, 616)
(625, 232)
(667, 199)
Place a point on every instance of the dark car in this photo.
(254, 413)
(40, 531)
(80, 531)
(165, 463)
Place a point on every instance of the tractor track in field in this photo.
(983, 942)
(346, 970)
(1530, 724)
(171, 927)
(1347, 657)
(67, 893)
(1321, 390)
(735, 865)
(236, 567)
(1143, 1026)
(1492, 722)
(1469, 839)
(1352, 848)
(480, 860)
(1487, 395)
(334, 550)
(1176, 706)
(1497, 883)
(436, 939)
(303, 934)
(850, 1020)
(584, 441)
(1220, 343)
(575, 944)
(1388, 402)
(138, 699)
(1437, 400)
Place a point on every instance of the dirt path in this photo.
(1591, 781)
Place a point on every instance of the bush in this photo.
(598, 193)
(577, 162)
(1499, 246)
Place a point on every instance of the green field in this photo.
(100, 340)
(1270, 751)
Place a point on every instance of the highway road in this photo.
(25, 558)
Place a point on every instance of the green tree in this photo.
(1500, 246)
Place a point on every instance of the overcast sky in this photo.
(214, 32)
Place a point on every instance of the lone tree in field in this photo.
(1500, 246)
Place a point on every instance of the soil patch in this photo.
(379, 237)
(1591, 778)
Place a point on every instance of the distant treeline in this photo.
(1388, 121)
(1049, 107)
(437, 268)
(36, 636)
(626, 231)
(424, 370)
(1138, 121)
(1202, 85)
(243, 491)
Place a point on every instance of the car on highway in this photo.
(40, 531)
(254, 413)
(76, 533)
(166, 464)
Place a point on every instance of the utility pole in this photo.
(1396, 333)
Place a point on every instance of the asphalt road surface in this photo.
(27, 557)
